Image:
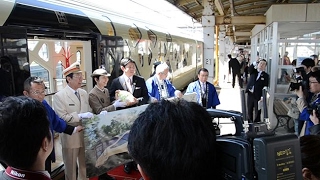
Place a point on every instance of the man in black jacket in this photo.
(258, 80)
(234, 64)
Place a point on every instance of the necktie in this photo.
(204, 87)
(77, 94)
(129, 85)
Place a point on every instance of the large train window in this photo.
(111, 48)
(14, 67)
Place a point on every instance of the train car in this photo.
(42, 38)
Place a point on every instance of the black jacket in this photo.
(234, 65)
(257, 83)
(140, 88)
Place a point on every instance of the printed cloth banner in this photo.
(106, 139)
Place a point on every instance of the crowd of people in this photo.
(175, 136)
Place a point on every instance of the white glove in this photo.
(119, 103)
(104, 112)
(254, 63)
(85, 115)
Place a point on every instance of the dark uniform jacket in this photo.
(100, 101)
(258, 84)
(138, 84)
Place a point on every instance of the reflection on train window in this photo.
(126, 49)
(39, 71)
(57, 47)
(78, 56)
(32, 44)
(135, 35)
(59, 69)
(43, 52)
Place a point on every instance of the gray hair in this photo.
(161, 68)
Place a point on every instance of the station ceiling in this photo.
(234, 8)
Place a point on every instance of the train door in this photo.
(14, 62)
(111, 53)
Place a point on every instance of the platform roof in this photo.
(239, 9)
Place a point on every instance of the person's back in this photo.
(234, 65)
(174, 140)
(25, 139)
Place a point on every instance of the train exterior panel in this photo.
(96, 38)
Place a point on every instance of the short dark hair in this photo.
(315, 74)
(229, 56)
(294, 62)
(23, 126)
(310, 153)
(203, 69)
(174, 140)
(126, 61)
(29, 80)
(263, 60)
(308, 62)
(314, 56)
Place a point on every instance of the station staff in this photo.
(99, 100)
(258, 80)
(71, 104)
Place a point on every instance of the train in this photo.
(41, 38)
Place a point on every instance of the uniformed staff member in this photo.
(72, 105)
(99, 100)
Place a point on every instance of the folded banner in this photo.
(106, 139)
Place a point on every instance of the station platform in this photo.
(230, 99)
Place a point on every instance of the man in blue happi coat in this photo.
(206, 92)
(158, 86)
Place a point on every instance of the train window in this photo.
(135, 35)
(59, 69)
(152, 37)
(39, 71)
(32, 44)
(141, 52)
(126, 49)
(43, 52)
(78, 56)
(57, 46)
(149, 56)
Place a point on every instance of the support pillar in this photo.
(208, 24)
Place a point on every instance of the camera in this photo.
(295, 86)
(300, 80)
(255, 152)
(315, 107)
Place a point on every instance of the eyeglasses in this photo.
(312, 82)
(38, 93)
(77, 76)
